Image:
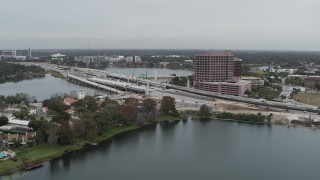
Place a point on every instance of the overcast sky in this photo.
(180, 24)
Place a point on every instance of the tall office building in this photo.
(219, 71)
(29, 53)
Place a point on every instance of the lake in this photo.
(43, 88)
(193, 150)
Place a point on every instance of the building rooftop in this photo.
(216, 53)
(58, 55)
(69, 100)
(18, 122)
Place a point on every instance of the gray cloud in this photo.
(230, 24)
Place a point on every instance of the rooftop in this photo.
(216, 53)
(69, 100)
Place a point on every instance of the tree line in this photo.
(258, 118)
(17, 72)
(96, 117)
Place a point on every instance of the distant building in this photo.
(137, 59)
(91, 59)
(6, 54)
(129, 59)
(29, 53)
(116, 58)
(188, 61)
(57, 56)
(289, 71)
(255, 81)
(219, 71)
(19, 54)
(81, 95)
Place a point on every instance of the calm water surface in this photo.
(194, 150)
(42, 88)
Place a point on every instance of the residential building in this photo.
(219, 71)
(68, 101)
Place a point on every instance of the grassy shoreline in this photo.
(46, 152)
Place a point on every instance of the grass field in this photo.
(308, 98)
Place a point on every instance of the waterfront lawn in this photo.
(313, 99)
(40, 152)
(9, 166)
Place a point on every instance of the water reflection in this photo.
(194, 150)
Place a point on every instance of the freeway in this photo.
(283, 105)
(103, 74)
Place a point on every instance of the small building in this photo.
(68, 101)
(137, 59)
(70, 111)
(45, 109)
(23, 138)
(255, 81)
(18, 122)
(33, 111)
(57, 56)
(81, 95)
(129, 59)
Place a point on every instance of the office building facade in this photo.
(219, 71)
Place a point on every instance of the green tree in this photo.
(3, 120)
(204, 111)
(61, 116)
(66, 135)
(149, 105)
(91, 103)
(53, 133)
(132, 101)
(168, 106)
(57, 105)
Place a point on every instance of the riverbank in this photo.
(46, 152)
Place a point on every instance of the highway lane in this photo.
(104, 74)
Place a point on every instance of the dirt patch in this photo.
(308, 98)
